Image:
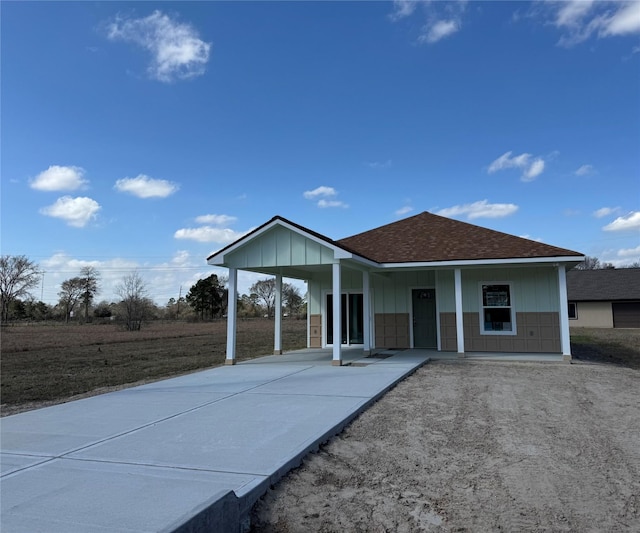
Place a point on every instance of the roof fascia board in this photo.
(485, 262)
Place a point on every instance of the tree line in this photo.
(207, 299)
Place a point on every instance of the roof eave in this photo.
(486, 262)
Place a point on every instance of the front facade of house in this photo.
(422, 282)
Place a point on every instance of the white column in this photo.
(565, 340)
(231, 317)
(459, 316)
(337, 315)
(277, 345)
(366, 313)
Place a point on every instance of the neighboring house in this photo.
(423, 282)
(608, 298)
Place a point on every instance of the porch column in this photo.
(232, 306)
(366, 315)
(277, 346)
(337, 315)
(459, 316)
(565, 339)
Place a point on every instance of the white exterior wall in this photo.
(593, 315)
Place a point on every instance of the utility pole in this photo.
(179, 296)
(42, 287)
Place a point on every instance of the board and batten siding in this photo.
(280, 247)
(534, 289)
(321, 284)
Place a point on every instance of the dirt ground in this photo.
(477, 446)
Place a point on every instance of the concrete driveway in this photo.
(190, 453)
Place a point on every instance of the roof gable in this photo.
(427, 238)
(264, 237)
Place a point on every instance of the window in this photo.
(352, 314)
(573, 311)
(497, 316)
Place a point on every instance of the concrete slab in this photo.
(64, 496)
(166, 456)
(10, 462)
(246, 433)
(63, 428)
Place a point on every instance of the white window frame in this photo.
(575, 310)
(511, 307)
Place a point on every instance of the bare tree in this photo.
(70, 293)
(265, 290)
(291, 298)
(593, 263)
(135, 305)
(18, 275)
(91, 287)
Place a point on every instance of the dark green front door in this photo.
(424, 318)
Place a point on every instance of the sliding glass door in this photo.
(352, 328)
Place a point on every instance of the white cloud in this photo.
(76, 212)
(216, 220)
(625, 223)
(629, 252)
(323, 193)
(146, 187)
(433, 32)
(534, 170)
(209, 234)
(331, 203)
(59, 178)
(404, 210)
(320, 191)
(379, 164)
(442, 19)
(402, 9)
(480, 209)
(623, 21)
(506, 161)
(605, 212)
(579, 20)
(531, 169)
(176, 49)
(585, 170)
(536, 239)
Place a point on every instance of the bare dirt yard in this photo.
(46, 363)
(482, 446)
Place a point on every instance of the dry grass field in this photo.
(615, 346)
(43, 363)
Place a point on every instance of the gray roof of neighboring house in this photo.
(603, 285)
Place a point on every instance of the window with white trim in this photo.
(573, 311)
(497, 316)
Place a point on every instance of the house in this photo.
(608, 298)
(422, 282)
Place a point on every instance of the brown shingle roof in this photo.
(427, 237)
(603, 285)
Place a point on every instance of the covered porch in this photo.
(458, 307)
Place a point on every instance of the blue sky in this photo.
(147, 135)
